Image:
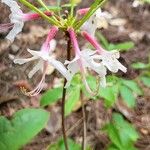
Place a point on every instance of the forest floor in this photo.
(136, 28)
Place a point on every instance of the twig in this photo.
(63, 99)
(84, 123)
(68, 132)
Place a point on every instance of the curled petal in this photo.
(17, 28)
(23, 61)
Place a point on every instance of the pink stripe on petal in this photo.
(74, 41)
(93, 41)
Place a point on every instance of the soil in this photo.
(13, 76)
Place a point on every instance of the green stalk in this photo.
(92, 10)
(32, 7)
(72, 8)
(43, 4)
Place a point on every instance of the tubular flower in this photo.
(84, 60)
(97, 20)
(44, 58)
(17, 18)
(108, 59)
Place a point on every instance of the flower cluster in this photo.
(97, 60)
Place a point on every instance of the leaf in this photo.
(133, 86)
(51, 96)
(60, 145)
(113, 134)
(121, 133)
(126, 131)
(140, 65)
(125, 46)
(24, 125)
(73, 97)
(146, 80)
(110, 95)
(112, 147)
(91, 80)
(127, 96)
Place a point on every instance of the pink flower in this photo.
(17, 18)
(84, 60)
(108, 58)
(44, 58)
(97, 20)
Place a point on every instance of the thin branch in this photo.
(84, 123)
(63, 99)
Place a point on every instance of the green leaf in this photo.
(51, 96)
(127, 96)
(133, 86)
(140, 65)
(72, 99)
(91, 80)
(60, 145)
(146, 80)
(24, 125)
(121, 133)
(110, 95)
(113, 134)
(125, 46)
(112, 147)
(126, 131)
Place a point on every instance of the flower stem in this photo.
(84, 123)
(32, 7)
(91, 11)
(63, 99)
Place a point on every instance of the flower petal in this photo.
(60, 67)
(17, 28)
(23, 61)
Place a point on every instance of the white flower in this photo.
(16, 18)
(44, 59)
(137, 3)
(110, 60)
(97, 20)
(86, 61)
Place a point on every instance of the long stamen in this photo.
(40, 86)
(93, 41)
